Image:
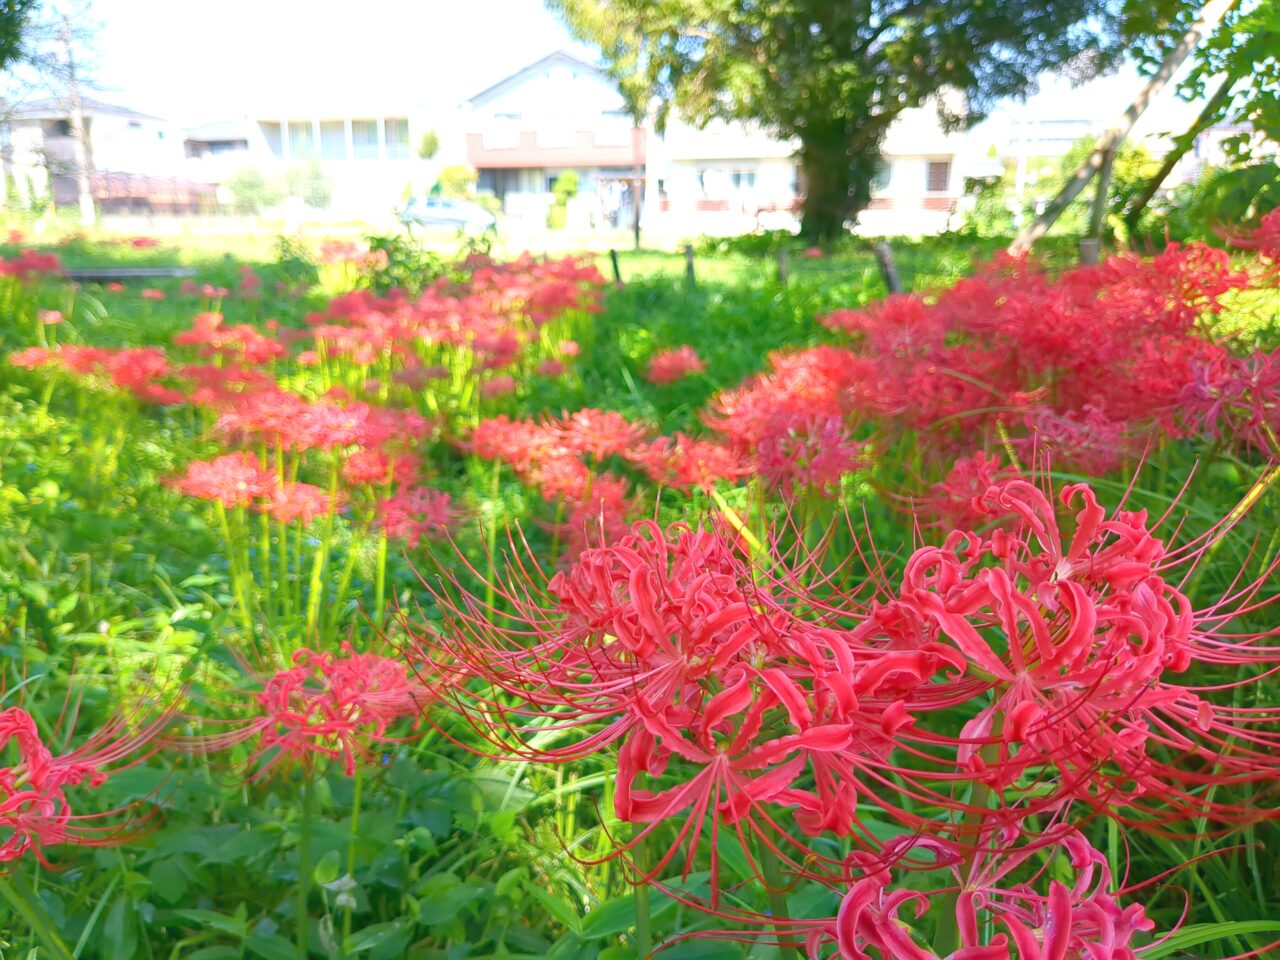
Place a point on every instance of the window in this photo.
(364, 139)
(301, 139)
(937, 176)
(397, 131)
(719, 183)
(271, 133)
(333, 140)
(135, 124)
(883, 174)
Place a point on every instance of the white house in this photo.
(556, 115)
(366, 151)
(562, 113)
(136, 159)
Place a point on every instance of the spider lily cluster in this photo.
(1024, 677)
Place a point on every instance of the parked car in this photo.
(463, 215)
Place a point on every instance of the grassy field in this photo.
(189, 521)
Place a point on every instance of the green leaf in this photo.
(222, 952)
(610, 918)
(328, 868)
(210, 920)
(443, 896)
(557, 908)
(120, 932)
(270, 946)
(378, 935)
(1197, 933)
(703, 949)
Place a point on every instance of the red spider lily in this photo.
(598, 433)
(415, 513)
(34, 808)
(955, 501)
(377, 467)
(1234, 397)
(809, 455)
(551, 367)
(325, 706)
(1080, 642)
(498, 386)
(668, 366)
(664, 642)
(239, 343)
(233, 479)
(1083, 362)
(686, 463)
(772, 701)
(995, 918)
(29, 264)
(137, 370)
(293, 500)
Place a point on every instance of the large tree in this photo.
(834, 74)
(14, 17)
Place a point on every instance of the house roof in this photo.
(219, 131)
(559, 57)
(54, 108)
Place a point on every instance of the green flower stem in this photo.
(644, 923)
(495, 493)
(380, 581)
(776, 885)
(25, 903)
(304, 868)
(351, 845)
(322, 558)
(237, 578)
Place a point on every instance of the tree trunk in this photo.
(837, 186)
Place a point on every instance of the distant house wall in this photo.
(557, 115)
(369, 157)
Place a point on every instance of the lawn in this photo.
(416, 603)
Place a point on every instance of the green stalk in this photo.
(644, 924)
(304, 868)
(351, 847)
(322, 557)
(494, 493)
(237, 580)
(25, 903)
(771, 874)
(380, 580)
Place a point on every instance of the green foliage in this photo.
(407, 266)
(563, 190)
(310, 184)
(998, 211)
(1245, 50)
(429, 145)
(836, 75)
(15, 17)
(252, 192)
(458, 180)
(1223, 201)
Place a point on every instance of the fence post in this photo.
(617, 270)
(689, 274)
(784, 265)
(888, 269)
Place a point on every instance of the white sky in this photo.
(192, 61)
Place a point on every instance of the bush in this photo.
(251, 192)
